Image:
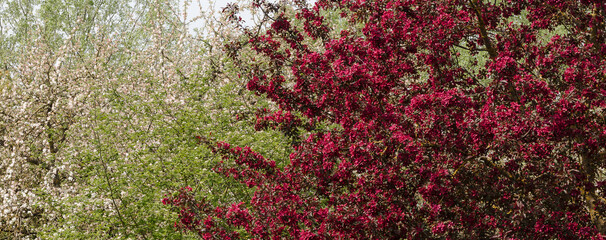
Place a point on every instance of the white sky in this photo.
(193, 10)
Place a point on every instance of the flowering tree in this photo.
(100, 103)
(423, 120)
(50, 54)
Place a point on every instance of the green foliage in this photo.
(145, 148)
(130, 91)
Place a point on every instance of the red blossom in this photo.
(428, 147)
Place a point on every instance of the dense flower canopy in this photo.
(456, 119)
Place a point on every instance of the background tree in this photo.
(48, 53)
(401, 132)
(101, 103)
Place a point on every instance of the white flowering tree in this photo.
(100, 106)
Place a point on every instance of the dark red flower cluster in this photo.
(433, 142)
(199, 217)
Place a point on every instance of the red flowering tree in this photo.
(445, 119)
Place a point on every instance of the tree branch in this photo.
(482, 25)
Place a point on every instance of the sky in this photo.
(193, 10)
